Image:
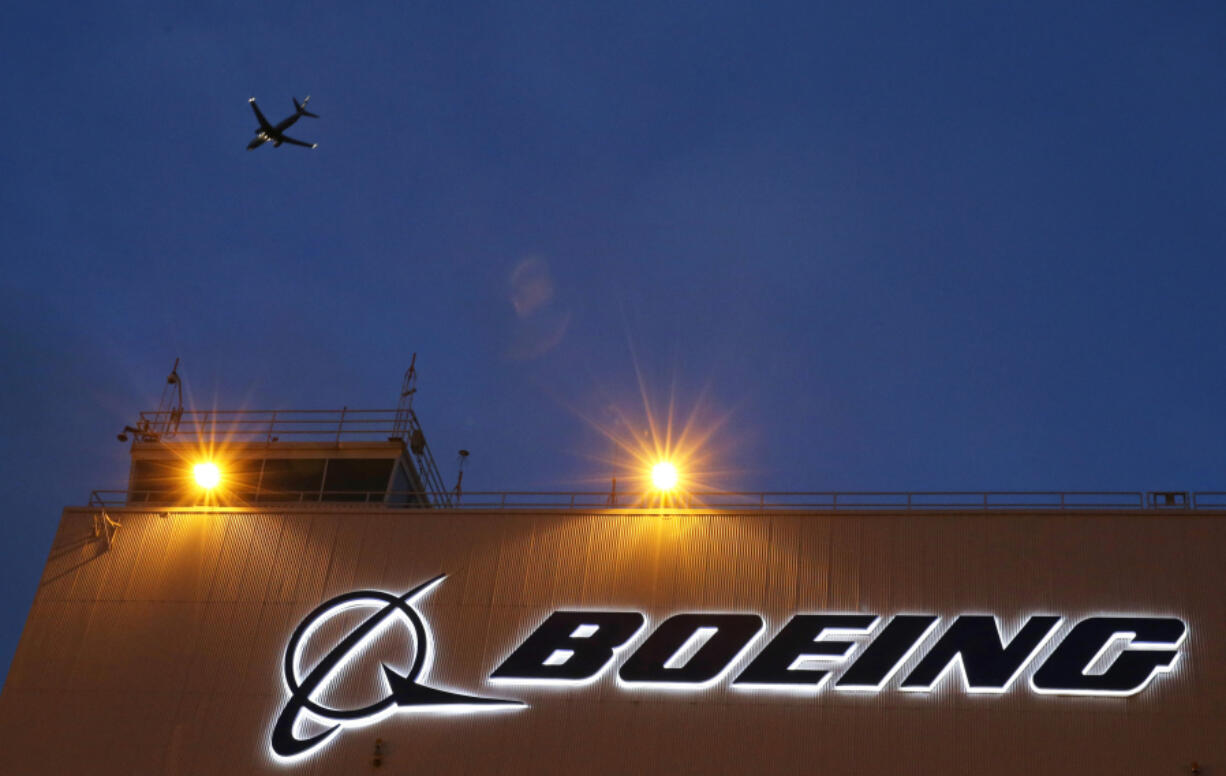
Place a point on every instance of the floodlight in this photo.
(664, 476)
(207, 475)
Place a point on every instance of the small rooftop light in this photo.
(207, 475)
(664, 476)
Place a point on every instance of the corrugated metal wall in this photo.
(164, 655)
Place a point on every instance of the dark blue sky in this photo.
(891, 245)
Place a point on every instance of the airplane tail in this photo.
(301, 108)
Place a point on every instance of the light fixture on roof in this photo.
(207, 475)
(664, 476)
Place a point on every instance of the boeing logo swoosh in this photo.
(405, 691)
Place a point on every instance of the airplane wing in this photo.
(264, 125)
(288, 139)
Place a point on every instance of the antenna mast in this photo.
(170, 408)
(409, 429)
(408, 387)
(459, 480)
(165, 423)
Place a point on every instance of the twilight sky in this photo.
(883, 245)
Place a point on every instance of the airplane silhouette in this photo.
(266, 132)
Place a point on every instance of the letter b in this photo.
(570, 647)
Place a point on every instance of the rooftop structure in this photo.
(279, 456)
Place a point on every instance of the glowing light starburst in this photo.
(664, 476)
(207, 474)
(211, 474)
(201, 460)
(659, 459)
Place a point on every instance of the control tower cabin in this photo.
(279, 456)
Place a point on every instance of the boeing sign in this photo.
(810, 653)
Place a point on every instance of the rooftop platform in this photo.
(281, 456)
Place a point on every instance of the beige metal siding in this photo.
(163, 655)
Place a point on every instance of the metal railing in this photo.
(268, 426)
(968, 501)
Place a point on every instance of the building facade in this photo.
(341, 638)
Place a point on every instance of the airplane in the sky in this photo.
(266, 132)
